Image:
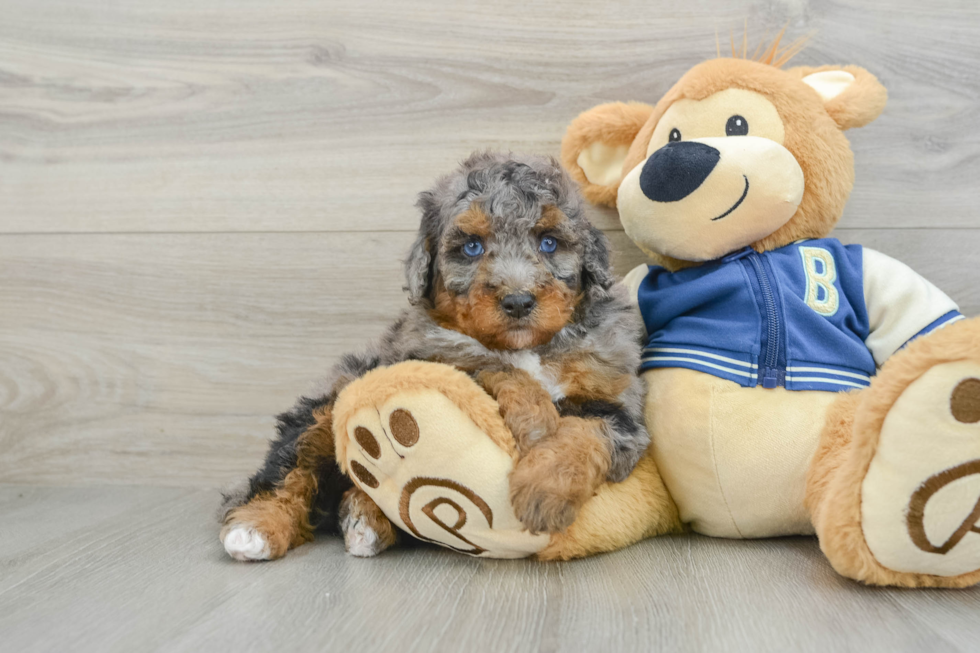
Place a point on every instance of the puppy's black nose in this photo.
(518, 305)
(676, 170)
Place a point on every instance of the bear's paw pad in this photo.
(920, 499)
(436, 475)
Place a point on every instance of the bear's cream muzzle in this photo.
(698, 200)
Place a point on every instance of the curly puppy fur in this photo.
(563, 372)
(367, 531)
(557, 476)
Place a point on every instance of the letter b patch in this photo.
(821, 273)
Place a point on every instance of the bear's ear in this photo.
(595, 146)
(851, 95)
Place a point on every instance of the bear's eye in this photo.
(675, 135)
(473, 247)
(736, 126)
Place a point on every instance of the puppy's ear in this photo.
(596, 268)
(596, 144)
(420, 264)
(851, 95)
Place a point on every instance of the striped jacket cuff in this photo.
(945, 320)
(740, 368)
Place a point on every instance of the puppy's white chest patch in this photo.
(531, 363)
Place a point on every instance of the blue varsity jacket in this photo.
(796, 317)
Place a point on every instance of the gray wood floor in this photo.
(139, 569)
(203, 203)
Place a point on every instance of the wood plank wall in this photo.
(204, 202)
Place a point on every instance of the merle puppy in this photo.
(510, 283)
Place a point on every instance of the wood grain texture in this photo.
(204, 203)
(311, 115)
(161, 358)
(140, 569)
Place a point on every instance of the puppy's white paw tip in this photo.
(245, 543)
(361, 540)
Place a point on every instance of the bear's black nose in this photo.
(676, 170)
(518, 305)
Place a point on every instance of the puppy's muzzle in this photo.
(676, 170)
(518, 305)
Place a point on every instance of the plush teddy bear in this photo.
(796, 385)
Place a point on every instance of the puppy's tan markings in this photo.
(526, 407)
(558, 475)
(475, 222)
(556, 303)
(583, 377)
(281, 517)
(551, 218)
(476, 314)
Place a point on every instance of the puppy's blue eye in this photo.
(473, 248)
(548, 245)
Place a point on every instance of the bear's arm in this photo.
(632, 282)
(901, 305)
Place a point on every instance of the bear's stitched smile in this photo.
(736, 204)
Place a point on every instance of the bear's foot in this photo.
(894, 490)
(920, 505)
(430, 449)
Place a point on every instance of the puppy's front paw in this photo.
(360, 540)
(262, 530)
(367, 532)
(245, 543)
(526, 407)
(554, 480)
(540, 506)
(544, 492)
(531, 424)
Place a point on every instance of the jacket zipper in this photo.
(770, 375)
